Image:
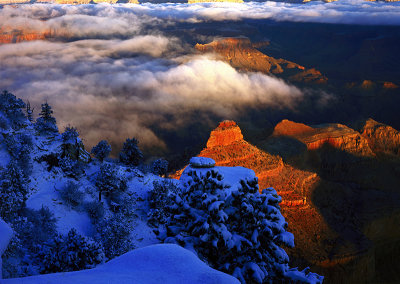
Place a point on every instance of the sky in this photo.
(116, 73)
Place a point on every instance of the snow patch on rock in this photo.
(232, 175)
(202, 162)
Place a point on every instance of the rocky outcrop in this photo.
(337, 136)
(326, 212)
(290, 128)
(381, 138)
(15, 35)
(389, 85)
(225, 134)
(240, 53)
(371, 88)
(228, 148)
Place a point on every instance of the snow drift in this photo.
(153, 264)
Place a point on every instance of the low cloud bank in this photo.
(118, 74)
(123, 97)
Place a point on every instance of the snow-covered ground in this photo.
(5, 237)
(105, 209)
(156, 264)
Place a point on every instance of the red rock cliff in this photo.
(337, 135)
(381, 137)
(240, 53)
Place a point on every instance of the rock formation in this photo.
(240, 53)
(8, 35)
(228, 148)
(381, 138)
(335, 135)
(334, 217)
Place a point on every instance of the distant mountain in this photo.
(240, 53)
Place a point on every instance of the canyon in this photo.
(333, 197)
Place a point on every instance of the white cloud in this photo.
(124, 75)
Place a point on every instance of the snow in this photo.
(232, 175)
(202, 162)
(5, 237)
(47, 195)
(166, 263)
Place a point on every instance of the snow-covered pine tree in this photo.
(159, 167)
(70, 253)
(239, 233)
(72, 168)
(72, 195)
(108, 181)
(13, 191)
(32, 229)
(101, 150)
(70, 144)
(130, 154)
(115, 235)
(159, 199)
(19, 147)
(95, 210)
(46, 123)
(12, 107)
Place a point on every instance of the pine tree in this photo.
(29, 112)
(70, 147)
(13, 191)
(130, 154)
(101, 150)
(108, 181)
(46, 113)
(115, 235)
(70, 253)
(159, 167)
(240, 233)
(46, 123)
(12, 109)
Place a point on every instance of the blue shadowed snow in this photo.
(232, 175)
(202, 162)
(5, 237)
(156, 264)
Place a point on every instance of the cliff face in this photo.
(240, 53)
(228, 148)
(326, 212)
(15, 36)
(381, 137)
(227, 133)
(337, 136)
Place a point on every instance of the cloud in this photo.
(341, 12)
(91, 85)
(116, 73)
